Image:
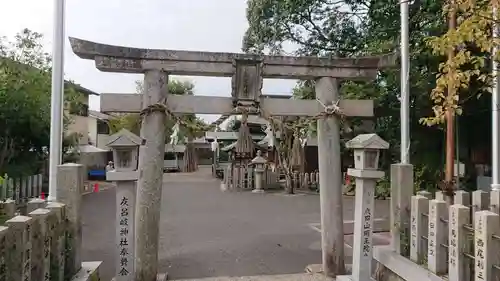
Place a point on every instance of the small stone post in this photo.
(35, 203)
(5, 251)
(57, 240)
(458, 264)
(20, 258)
(7, 210)
(29, 180)
(125, 146)
(259, 170)
(438, 235)
(419, 228)
(486, 224)
(401, 192)
(40, 269)
(366, 154)
(70, 185)
(24, 189)
(150, 181)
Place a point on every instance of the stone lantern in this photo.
(367, 150)
(125, 147)
(259, 164)
(366, 155)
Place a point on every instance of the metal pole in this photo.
(57, 97)
(495, 130)
(457, 152)
(405, 84)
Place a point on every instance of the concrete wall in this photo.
(92, 130)
(102, 141)
(79, 124)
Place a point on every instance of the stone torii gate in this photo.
(247, 72)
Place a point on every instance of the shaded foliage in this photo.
(25, 86)
(349, 28)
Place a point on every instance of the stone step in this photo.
(284, 277)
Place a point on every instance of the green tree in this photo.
(358, 28)
(25, 86)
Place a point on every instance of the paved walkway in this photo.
(208, 233)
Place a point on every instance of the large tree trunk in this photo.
(190, 162)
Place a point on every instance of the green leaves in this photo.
(472, 43)
(25, 86)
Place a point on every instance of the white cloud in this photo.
(216, 25)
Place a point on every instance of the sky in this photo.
(201, 25)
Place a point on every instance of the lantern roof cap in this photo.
(367, 141)
(124, 138)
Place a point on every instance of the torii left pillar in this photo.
(149, 185)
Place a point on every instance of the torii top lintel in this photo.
(111, 58)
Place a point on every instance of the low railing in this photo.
(34, 247)
(461, 240)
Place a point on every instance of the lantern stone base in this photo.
(88, 272)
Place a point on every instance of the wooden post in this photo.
(149, 185)
(419, 228)
(438, 235)
(330, 180)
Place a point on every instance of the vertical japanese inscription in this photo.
(479, 250)
(125, 239)
(453, 247)
(247, 81)
(432, 231)
(124, 230)
(367, 235)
